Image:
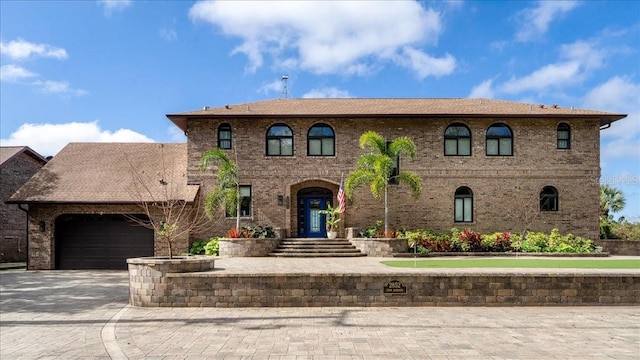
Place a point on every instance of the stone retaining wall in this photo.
(620, 247)
(249, 247)
(380, 247)
(208, 289)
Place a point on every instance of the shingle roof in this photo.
(352, 107)
(104, 173)
(9, 152)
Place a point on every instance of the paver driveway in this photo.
(83, 315)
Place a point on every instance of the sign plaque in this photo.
(395, 287)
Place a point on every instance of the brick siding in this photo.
(13, 221)
(501, 184)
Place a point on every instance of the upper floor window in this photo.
(457, 140)
(564, 136)
(321, 141)
(224, 136)
(499, 140)
(463, 205)
(279, 140)
(549, 199)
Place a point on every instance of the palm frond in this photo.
(413, 181)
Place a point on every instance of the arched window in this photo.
(549, 199)
(463, 205)
(457, 140)
(499, 140)
(279, 140)
(224, 136)
(321, 141)
(564, 136)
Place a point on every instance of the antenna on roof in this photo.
(285, 90)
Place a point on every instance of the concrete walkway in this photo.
(84, 315)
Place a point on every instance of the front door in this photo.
(315, 220)
(311, 224)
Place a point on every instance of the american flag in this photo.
(342, 201)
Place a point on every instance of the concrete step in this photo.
(315, 247)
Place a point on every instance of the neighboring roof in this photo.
(10, 152)
(104, 173)
(353, 108)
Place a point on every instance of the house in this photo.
(17, 165)
(485, 164)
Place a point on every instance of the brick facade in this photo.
(13, 221)
(505, 188)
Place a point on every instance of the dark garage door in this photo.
(99, 241)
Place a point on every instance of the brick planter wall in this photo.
(210, 289)
(380, 247)
(250, 247)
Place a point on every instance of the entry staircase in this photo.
(316, 247)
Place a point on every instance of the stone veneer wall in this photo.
(380, 247)
(620, 247)
(249, 247)
(288, 290)
(148, 277)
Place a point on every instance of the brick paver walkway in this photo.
(83, 315)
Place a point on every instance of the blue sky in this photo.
(110, 70)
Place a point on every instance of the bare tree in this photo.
(523, 207)
(170, 204)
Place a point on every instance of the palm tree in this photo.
(611, 200)
(227, 191)
(376, 167)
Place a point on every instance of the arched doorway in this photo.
(310, 201)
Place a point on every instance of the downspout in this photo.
(26, 231)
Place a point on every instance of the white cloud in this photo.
(22, 50)
(327, 92)
(425, 65)
(58, 87)
(535, 22)
(111, 6)
(343, 37)
(483, 90)
(177, 135)
(48, 139)
(274, 86)
(168, 34)
(622, 139)
(14, 73)
(552, 75)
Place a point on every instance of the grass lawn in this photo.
(517, 263)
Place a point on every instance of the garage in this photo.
(94, 241)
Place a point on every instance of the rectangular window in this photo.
(563, 139)
(395, 171)
(286, 147)
(463, 210)
(492, 146)
(464, 147)
(224, 140)
(327, 146)
(245, 202)
(273, 147)
(451, 147)
(315, 147)
(505, 146)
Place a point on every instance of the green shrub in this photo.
(625, 230)
(212, 247)
(374, 231)
(197, 247)
(258, 232)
